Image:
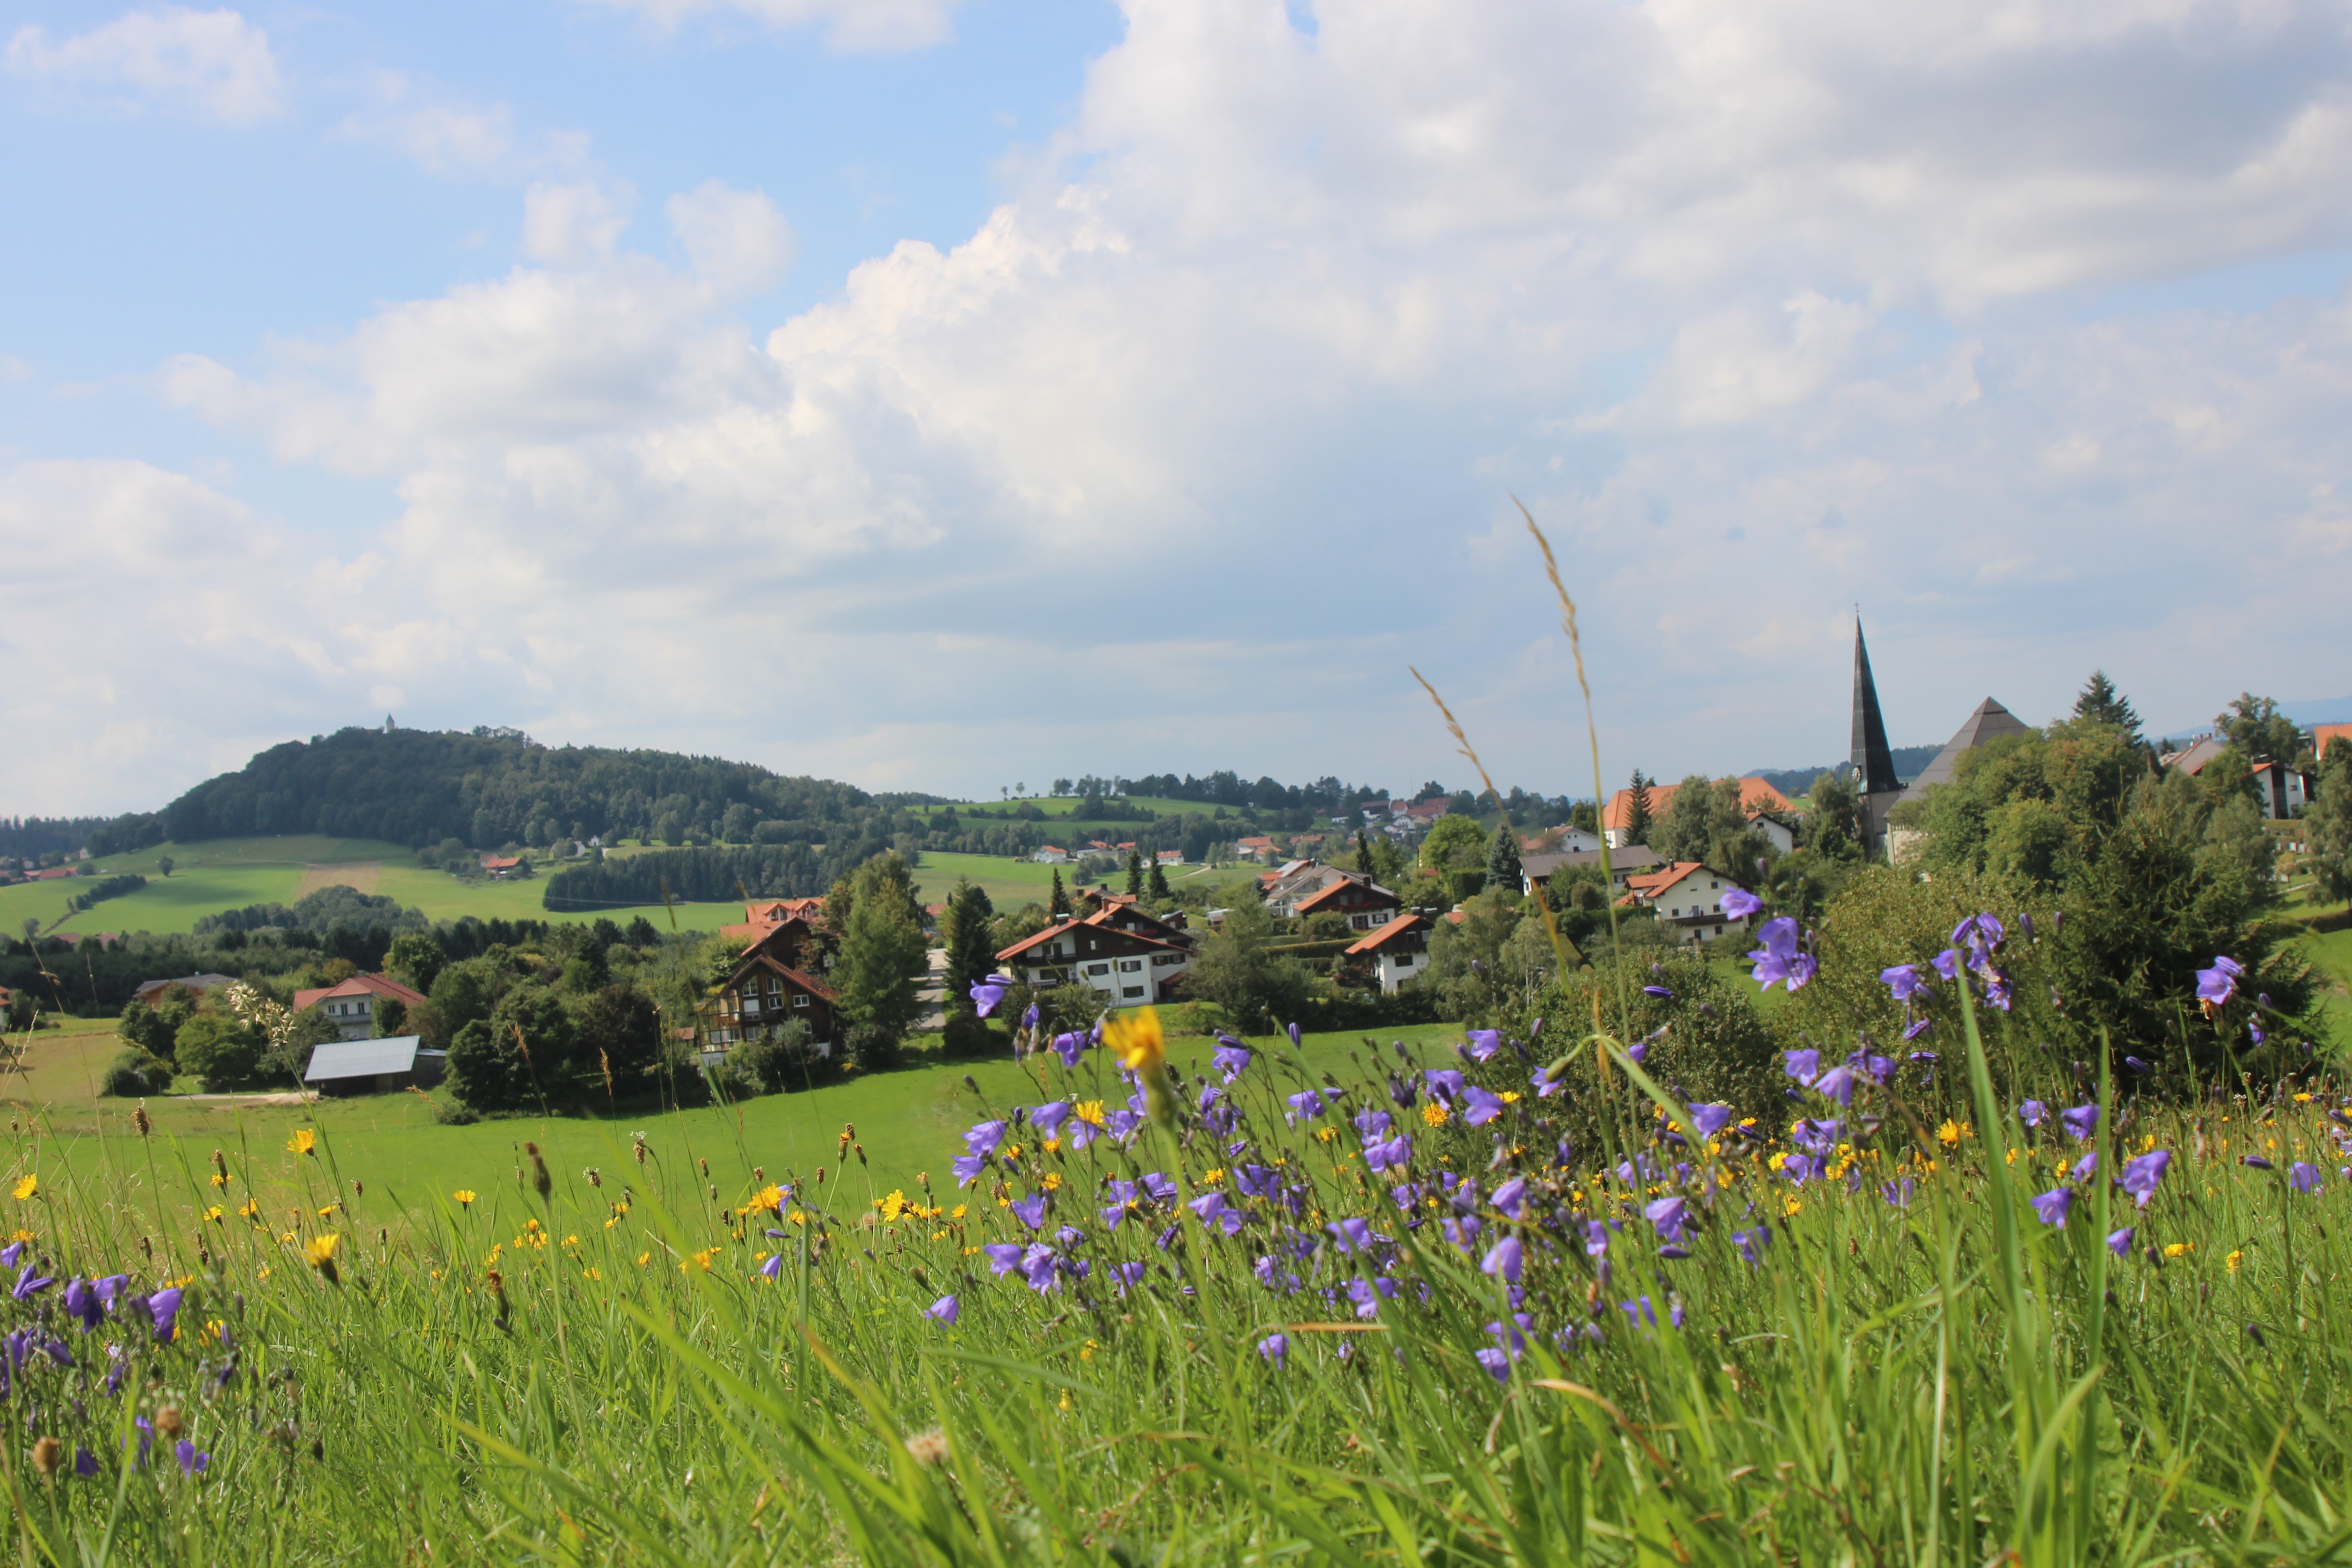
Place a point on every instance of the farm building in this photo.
(373, 1067)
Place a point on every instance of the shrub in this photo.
(875, 1047)
(968, 1036)
(220, 1051)
(134, 1073)
(780, 1061)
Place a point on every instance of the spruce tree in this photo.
(1637, 811)
(1135, 872)
(964, 933)
(1059, 905)
(2102, 703)
(1159, 884)
(1503, 866)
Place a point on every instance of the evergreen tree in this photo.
(2102, 703)
(2329, 823)
(1058, 905)
(882, 953)
(1503, 867)
(964, 932)
(1637, 811)
(1135, 872)
(1364, 861)
(1158, 885)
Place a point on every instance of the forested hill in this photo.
(493, 787)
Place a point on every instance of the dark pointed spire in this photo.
(1874, 762)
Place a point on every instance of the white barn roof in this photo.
(365, 1059)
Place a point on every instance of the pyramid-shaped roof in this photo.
(1991, 722)
(1874, 763)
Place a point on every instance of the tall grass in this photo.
(1939, 1381)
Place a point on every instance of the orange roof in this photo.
(500, 862)
(1650, 884)
(775, 911)
(1755, 795)
(1259, 842)
(808, 982)
(359, 985)
(1307, 905)
(1395, 928)
(2321, 734)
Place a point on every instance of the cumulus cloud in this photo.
(214, 64)
(852, 27)
(1206, 431)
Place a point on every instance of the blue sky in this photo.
(938, 394)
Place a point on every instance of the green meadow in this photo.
(1067, 805)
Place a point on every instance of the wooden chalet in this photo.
(762, 993)
(1397, 950)
(1109, 951)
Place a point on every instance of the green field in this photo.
(910, 1120)
(228, 873)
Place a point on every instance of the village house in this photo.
(1166, 857)
(199, 983)
(1757, 798)
(1562, 840)
(1688, 898)
(783, 929)
(351, 1006)
(1397, 950)
(1258, 847)
(2280, 791)
(501, 867)
(1303, 888)
(1130, 956)
(1623, 865)
(1051, 855)
(762, 993)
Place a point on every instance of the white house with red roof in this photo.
(1257, 847)
(1399, 951)
(1051, 855)
(351, 1006)
(1130, 956)
(1688, 898)
(1309, 887)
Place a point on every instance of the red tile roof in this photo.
(359, 985)
(1755, 795)
(1395, 928)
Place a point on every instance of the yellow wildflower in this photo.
(1510, 1097)
(465, 1197)
(644, 1258)
(1210, 1178)
(213, 1214)
(1325, 1134)
(1135, 1040)
(1089, 1111)
(251, 1210)
(1948, 1134)
(1052, 1182)
(2233, 1260)
(219, 1180)
(303, 1141)
(1433, 1114)
(2178, 1248)
(27, 1186)
(330, 1208)
(892, 1206)
(956, 1212)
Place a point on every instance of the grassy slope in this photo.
(910, 1120)
(231, 872)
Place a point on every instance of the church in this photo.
(1873, 759)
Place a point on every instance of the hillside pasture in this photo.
(229, 873)
(1066, 806)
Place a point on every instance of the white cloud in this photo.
(737, 240)
(443, 134)
(573, 224)
(852, 27)
(1208, 426)
(212, 63)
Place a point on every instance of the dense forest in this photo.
(30, 838)
(494, 787)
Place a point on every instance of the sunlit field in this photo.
(1479, 1299)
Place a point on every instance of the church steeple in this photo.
(1874, 761)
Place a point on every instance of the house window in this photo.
(1098, 969)
(800, 998)
(1132, 990)
(1130, 966)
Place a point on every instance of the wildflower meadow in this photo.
(1521, 1299)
